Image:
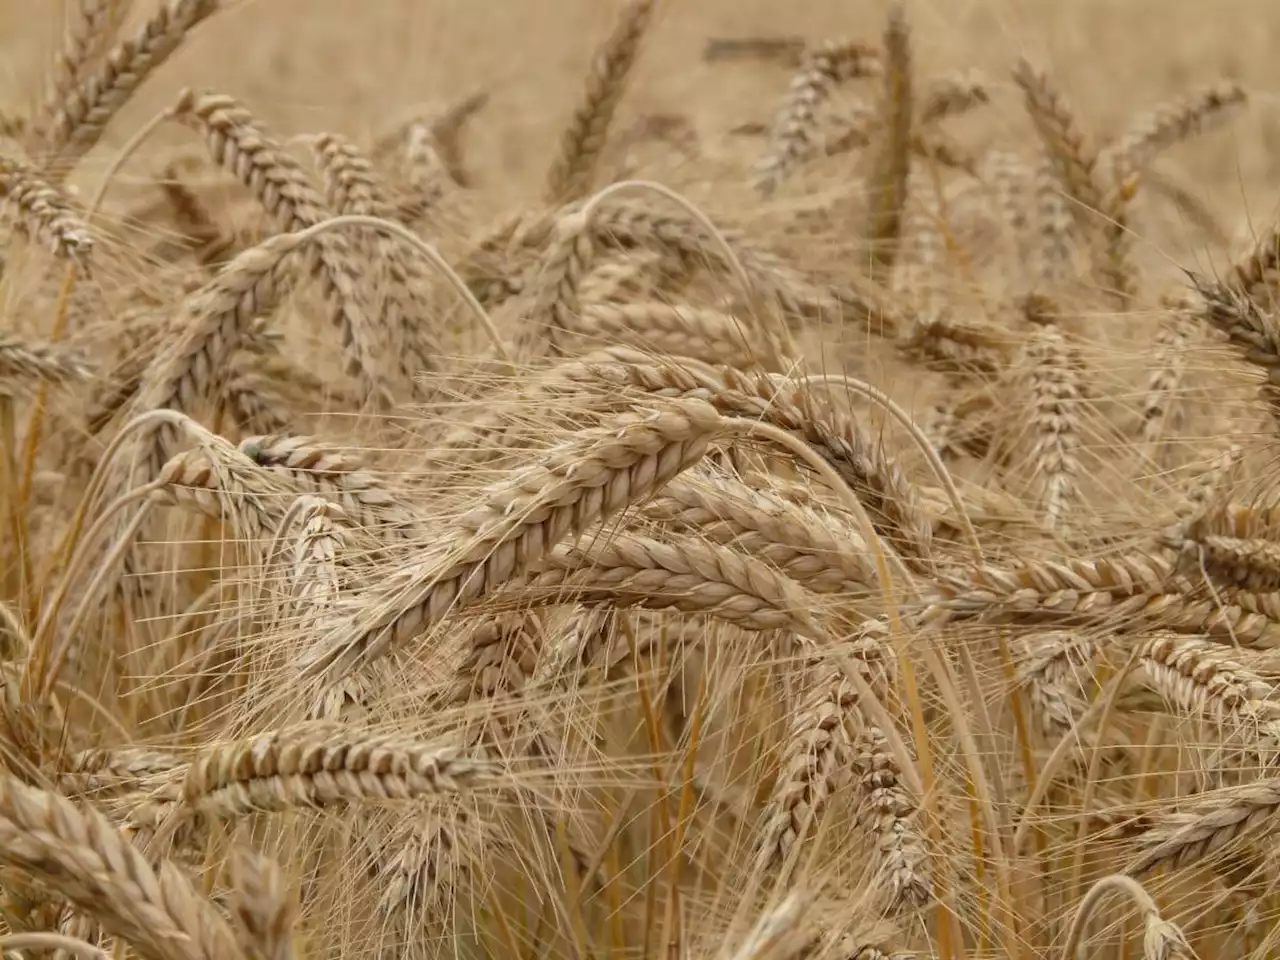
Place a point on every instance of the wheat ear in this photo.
(519, 520)
(322, 764)
(574, 168)
(262, 908)
(1073, 159)
(792, 139)
(95, 866)
(239, 145)
(85, 112)
(42, 211)
(891, 167)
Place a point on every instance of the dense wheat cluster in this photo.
(847, 533)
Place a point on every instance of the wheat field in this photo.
(649, 478)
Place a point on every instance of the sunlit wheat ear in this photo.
(571, 176)
(353, 186)
(79, 854)
(891, 166)
(90, 31)
(815, 757)
(83, 114)
(42, 211)
(794, 128)
(239, 145)
(516, 521)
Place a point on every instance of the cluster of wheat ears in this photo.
(601, 584)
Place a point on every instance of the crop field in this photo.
(639, 480)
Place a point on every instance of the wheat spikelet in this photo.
(791, 141)
(84, 113)
(1052, 671)
(891, 167)
(1184, 838)
(25, 360)
(678, 574)
(93, 27)
(556, 305)
(574, 169)
(808, 547)
(952, 95)
(814, 764)
(311, 465)
(674, 330)
(1197, 677)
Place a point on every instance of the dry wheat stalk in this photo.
(791, 142)
(571, 175)
(84, 113)
(891, 166)
(42, 211)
